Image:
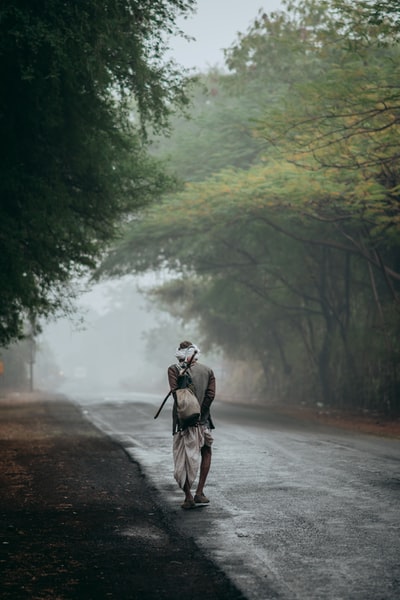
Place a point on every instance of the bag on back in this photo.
(187, 405)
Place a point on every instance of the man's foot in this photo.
(201, 499)
(189, 503)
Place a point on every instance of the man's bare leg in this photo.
(188, 493)
(204, 469)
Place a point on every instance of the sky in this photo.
(215, 26)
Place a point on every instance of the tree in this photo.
(217, 132)
(80, 82)
(297, 254)
(267, 275)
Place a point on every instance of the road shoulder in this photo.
(80, 520)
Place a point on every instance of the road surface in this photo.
(297, 511)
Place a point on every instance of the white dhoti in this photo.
(187, 446)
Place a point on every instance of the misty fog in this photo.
(116, 339)
(108, 344)
(261, 266)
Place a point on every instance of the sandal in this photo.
(201, 499)
(188, 504)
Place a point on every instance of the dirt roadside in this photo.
(368, 422)
(80, 521)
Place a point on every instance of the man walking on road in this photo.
(192, 445)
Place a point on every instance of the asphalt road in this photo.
(296, 512)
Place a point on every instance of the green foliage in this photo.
(219, 132)
(293, 261)
(73, 158)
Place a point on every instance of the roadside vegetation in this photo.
(284, 244)
(82, 83)
(273, 203)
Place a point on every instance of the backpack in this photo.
(187, 404)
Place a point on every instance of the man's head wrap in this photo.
(186, 353)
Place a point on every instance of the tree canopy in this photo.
(292, 258)
(80, 83)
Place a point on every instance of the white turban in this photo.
(186, 353)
